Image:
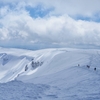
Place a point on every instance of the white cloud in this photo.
(17, 26)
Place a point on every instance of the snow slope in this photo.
(50, 74)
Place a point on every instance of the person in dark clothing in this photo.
(94, 68)
(88, 66)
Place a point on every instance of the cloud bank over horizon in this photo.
(37, 24)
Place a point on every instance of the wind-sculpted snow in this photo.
(50, 74)
(16, 90)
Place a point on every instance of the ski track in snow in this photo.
(55, 76)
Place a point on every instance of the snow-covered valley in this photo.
(49, 74)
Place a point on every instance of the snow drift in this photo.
(62, 74)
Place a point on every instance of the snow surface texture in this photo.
(49, 74)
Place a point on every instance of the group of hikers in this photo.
(88, 67)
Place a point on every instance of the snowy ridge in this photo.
(62, 74)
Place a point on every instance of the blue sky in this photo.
(36, 24)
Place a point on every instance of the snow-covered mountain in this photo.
(50, 74)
